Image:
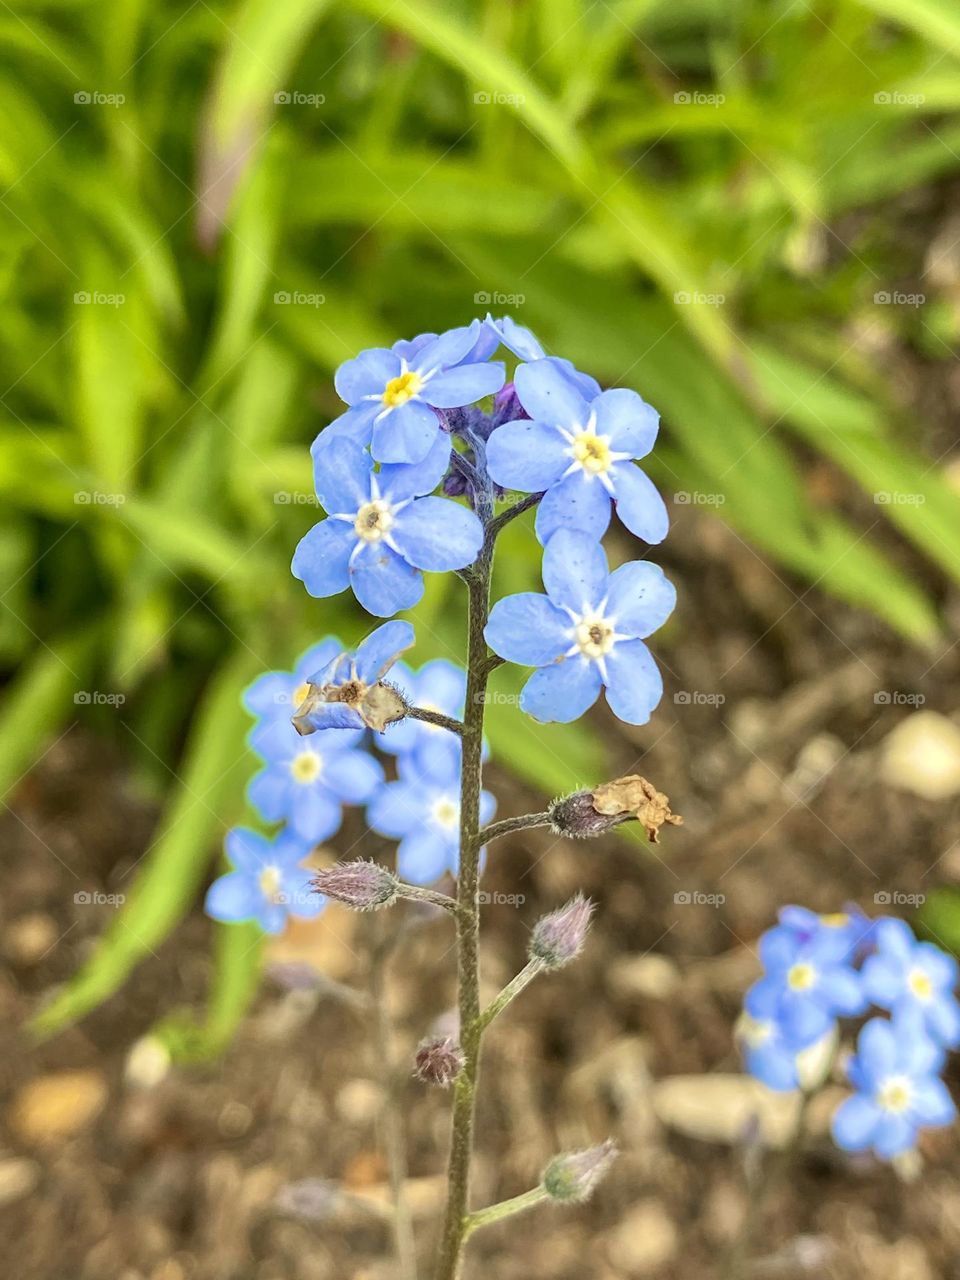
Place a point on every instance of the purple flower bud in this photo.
(573, 1177)
(439, 1061)
(576, 816)
(507, 406)
(558, 937)
(361, 884)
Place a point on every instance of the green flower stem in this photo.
(507, 825)
(434, 717)
(510, 992)
(505, 1209)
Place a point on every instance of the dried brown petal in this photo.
(640, 799)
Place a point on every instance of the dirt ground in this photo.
(772, 741)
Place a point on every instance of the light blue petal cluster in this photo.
(586, 633)
(822, 968)
(578, 445)
(382, 528)
(394, 393)
(421, 809)
(268, 882)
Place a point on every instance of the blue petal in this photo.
(549, 395)
(574, 571)
(640, 598)
(803, 1020)
(774, 1066)
(634, 684)
(383, 582)
(409, 348)
(332, 715)
(437, 534)
(423, 857)
(399, 481)
(397, 808)
(232, 898)
(269, 694)
(585, 383)
(269, 793)
(464, 385)
(447, 349)
(355, 425)
(855, 1123)
(895, 938)
(321, 560)
(299, 897)
(883, 980)
(379, 651)
(314, 813)
(316, 658)
(561, 692)
(367, 374)
(779, 949)
(941, 967)
(406, 433)
(931, 1102)
(518, 338)
(579, 503)
(628, 420)
(528, 629)
(894, 1135)
(877, 1049)
(246, 849)
(528, 456)
(845, 991)
(443, 685)
(639, 505)
(943, 1019)
(341, 474)
(353, 776)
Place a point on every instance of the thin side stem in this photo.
(435, 899)
(505, 1209)
(494, 830)
(435, 717)
(511, 513)
(394, 1137)
(510, 992)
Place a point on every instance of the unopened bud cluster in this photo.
(558, 938)
(573, 1177)
(575, 816)
(439, 1061)
(361, 884)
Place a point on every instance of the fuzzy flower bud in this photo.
(558, 938)
(575, 816)
(586, 814)
(439, 1061)
(361, 884)
(573, 1177)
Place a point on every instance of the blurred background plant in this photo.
(207, 208)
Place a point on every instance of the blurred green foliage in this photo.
(207, 207)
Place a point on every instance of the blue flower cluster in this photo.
(822, 968)
(308, 778)
(413, 426)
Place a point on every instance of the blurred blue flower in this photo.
(268, 882)
(381, 530)
(809, 979)
(769, 1054)
(585, 633)
(906, 974)
(346, 692)
(898, 1089)
(506, 332)
(579, 448)
(394, 394)
(306, 783)
(422, 810)
(438, 686)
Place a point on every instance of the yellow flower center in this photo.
(592, 452)
(920, 984)
(594, 637)
(801, 977)
(374, 520)
(300, 693)
(446, 813)
(269, 881)
(306, 767)
(894, 1094)
(399, 390)
(835, 920)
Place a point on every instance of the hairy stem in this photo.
(505, 826)
(511, 513)
(505, 1209)
(434, 717)
(468, 879)
(510, 992)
